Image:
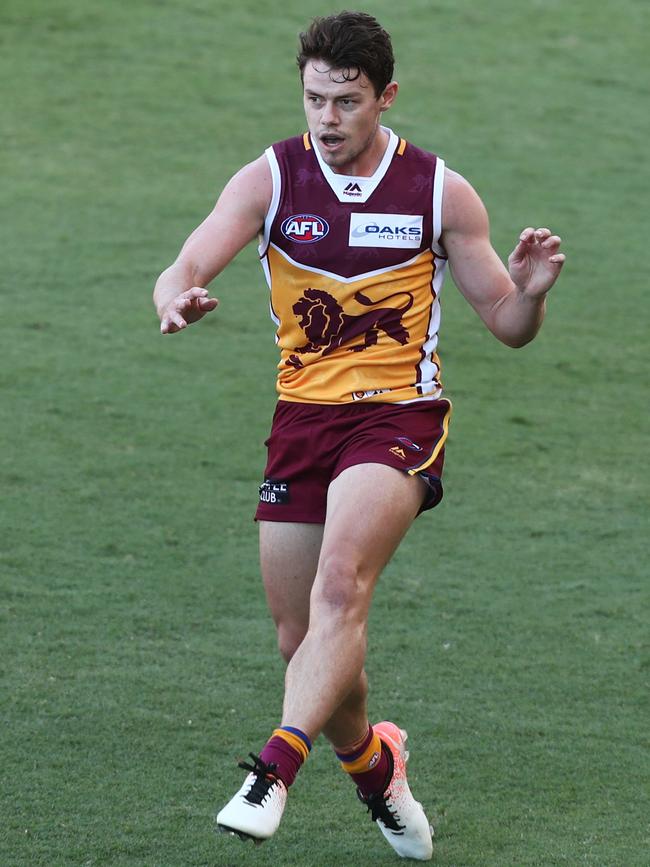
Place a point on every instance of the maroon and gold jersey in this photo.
(355, 270)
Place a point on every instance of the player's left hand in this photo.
(535, 263)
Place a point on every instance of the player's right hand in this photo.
(188, 307)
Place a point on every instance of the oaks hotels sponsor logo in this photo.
(386, 230)
(305, 228)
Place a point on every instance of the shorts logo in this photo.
(305, 228)
(402, 231)
(405, 441)
(352, 189)
(398, 452)
(274, 492)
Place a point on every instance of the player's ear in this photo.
(388, 96)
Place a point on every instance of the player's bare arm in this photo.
(180, 295)
(511, 301)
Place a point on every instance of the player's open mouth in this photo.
(331, 141)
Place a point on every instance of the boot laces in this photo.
(264, 779)
(378, 808)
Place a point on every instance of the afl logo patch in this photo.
(305, 228)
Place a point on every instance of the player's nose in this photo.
(329, 116)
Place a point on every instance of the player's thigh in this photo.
(369, 509)
(289, 555)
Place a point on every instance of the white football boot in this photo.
(401, 818)
(255, 811)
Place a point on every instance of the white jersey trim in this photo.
(275, 200)
(338, 277)
(429, 369)
(267, 274)
(434, 396)
(366, 186)
(438, 188)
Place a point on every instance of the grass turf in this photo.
(137, 656)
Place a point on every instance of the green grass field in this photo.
(137, 658)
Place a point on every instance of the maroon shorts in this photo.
(311, 444)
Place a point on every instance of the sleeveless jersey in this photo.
(355, 270)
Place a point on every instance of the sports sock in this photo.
(287, 748)
(369, 764)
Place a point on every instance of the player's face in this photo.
(343, 117)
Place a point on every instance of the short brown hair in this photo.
(352, 41)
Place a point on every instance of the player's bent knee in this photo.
(341, 589)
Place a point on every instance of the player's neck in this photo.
(365, 164)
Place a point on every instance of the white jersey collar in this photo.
(350, 188)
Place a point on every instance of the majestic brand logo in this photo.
(305, 228)
(386, 230)
(274, 492)
(398, 452)
(327, 327)
(352, 189)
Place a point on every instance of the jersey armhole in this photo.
(275, 200)
(438, 188)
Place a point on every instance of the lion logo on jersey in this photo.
(327, 327)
